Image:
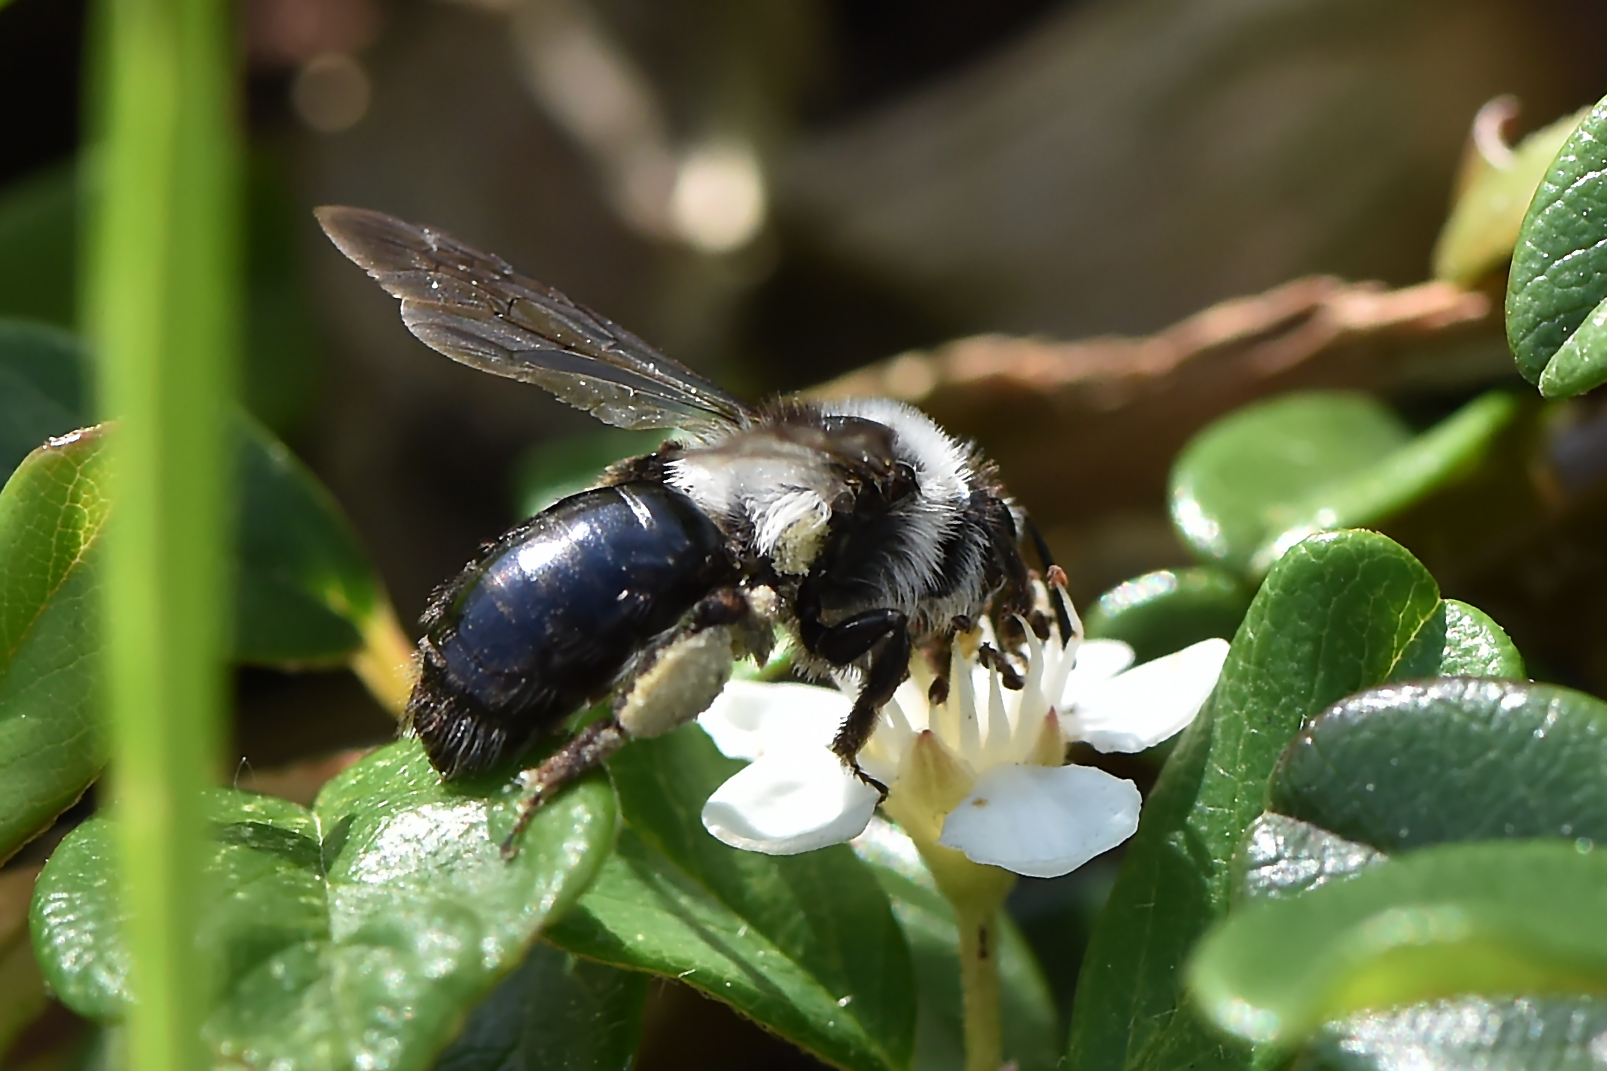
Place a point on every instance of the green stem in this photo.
(976, 893)
(161, 307)
(384, 663)
(979, 987)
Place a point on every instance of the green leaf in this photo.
(1027, 1011)
(1169, 609)
(1475, 646)
(1411, 765)
(1234, 484)
(1489, 1034)
(53, 511)
(1338, 613)
(1558, 282)
(554, 1012)
(1485, 918)
(1317, 780)
(1282, 856)
(1581, 362)
(806, 945)
(304, 588)
(1261, 479)
(358, 933)
(41, 388)
(1483, 226)
(1448, 450)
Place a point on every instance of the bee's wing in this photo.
(476, 309)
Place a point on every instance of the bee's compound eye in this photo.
(904, 482)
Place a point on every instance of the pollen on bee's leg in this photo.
(582, 754)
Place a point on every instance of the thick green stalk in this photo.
(979, 988)
(930, 785)
(162, 299)
(976, 892)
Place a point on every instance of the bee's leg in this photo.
(673, 682)
(888, 668)
(584, 752)
(886, 633)
(940, 657)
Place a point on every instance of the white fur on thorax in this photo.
(778, 488)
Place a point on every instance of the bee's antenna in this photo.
(1055, 580)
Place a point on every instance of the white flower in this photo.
(982, 773)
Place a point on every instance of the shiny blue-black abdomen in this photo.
(545, 619)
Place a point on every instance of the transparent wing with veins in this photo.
(474, 308)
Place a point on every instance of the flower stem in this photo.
(979, 987)
(385, 661)
(976, 893)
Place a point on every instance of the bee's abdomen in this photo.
(551, 613)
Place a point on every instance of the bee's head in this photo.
(866, 453)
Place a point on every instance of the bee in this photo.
(859, 527)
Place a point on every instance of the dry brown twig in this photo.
(1084, 426)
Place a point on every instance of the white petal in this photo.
(750, 718)
(1148, 703)
(1097, 661)
(786, 804)
(1042, 821)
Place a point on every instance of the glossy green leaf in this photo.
(1581, 362)
(41, 388)
(1338, 613)
(1411, 765)
(358, 933)
(1557, 288)
(806, 945)
(1483, 225)
(52, 515)
(1027, 1011)
(1282, 856)
(1169, 609)
(1435, 458)
(1475, 646)
(554, 1013)
(1541, 1033)
(1235, 486)
(553, 470)
(1485, 918)
(303, 585)
(1261, 479)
